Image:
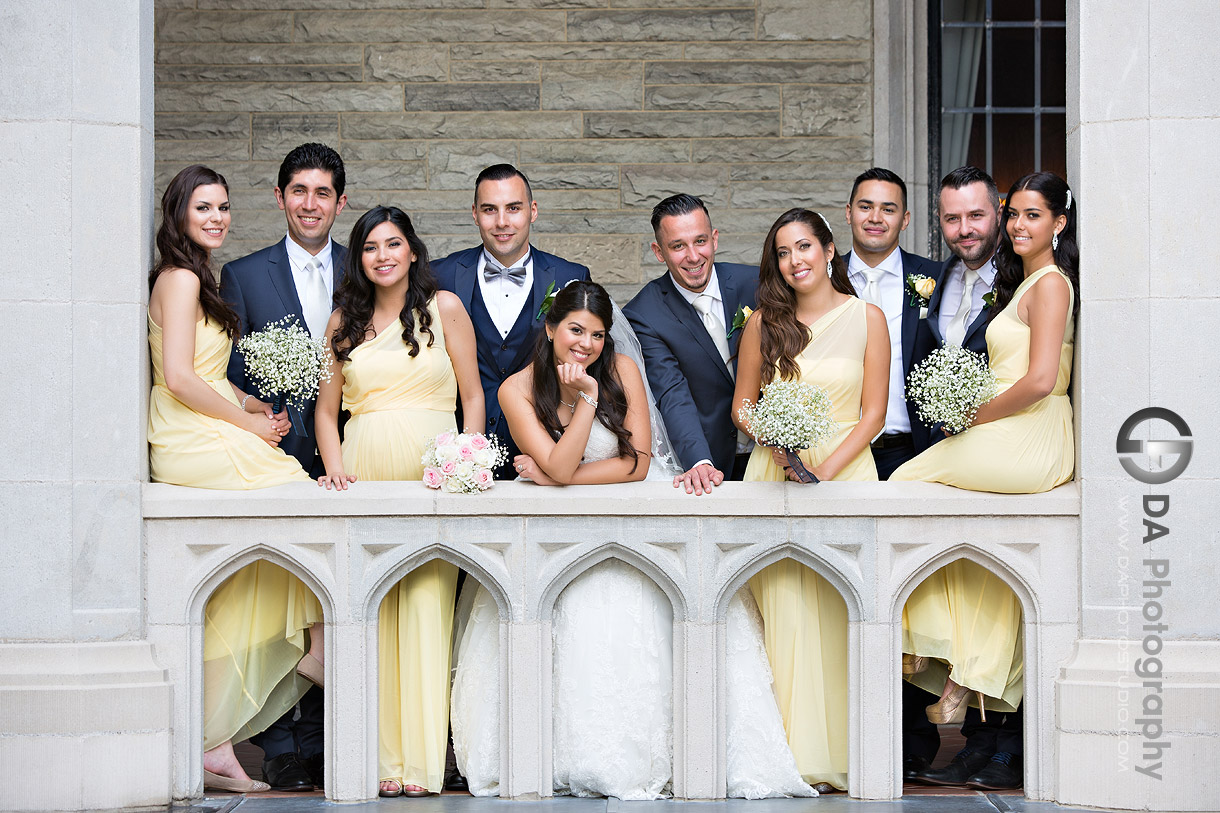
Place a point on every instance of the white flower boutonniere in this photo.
(739, 319)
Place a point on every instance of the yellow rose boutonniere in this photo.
(921, 288)
(739, 319)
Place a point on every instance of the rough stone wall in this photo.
(607, 105)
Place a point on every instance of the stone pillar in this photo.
(1143, 126)
(83, 705)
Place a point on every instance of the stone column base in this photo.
(83, 726)
(1139, 742)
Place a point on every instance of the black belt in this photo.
(893, 440)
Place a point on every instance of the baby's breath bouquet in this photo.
(791, 415)
(949, 386)
(462, 463)
(286, 365)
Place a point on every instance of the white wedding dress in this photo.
(612, 686)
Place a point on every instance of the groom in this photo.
(503, 283)
(688, 321)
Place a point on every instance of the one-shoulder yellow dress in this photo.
(963, 615)
(804, 616)
(399, 403)
(254, 623)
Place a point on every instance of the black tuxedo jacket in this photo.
(259, 286)
(692, 385)
(917, 339)
(457, 273)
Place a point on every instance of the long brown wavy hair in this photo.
(611, 407)
(357, 295)
(176, 250)
(783, 335)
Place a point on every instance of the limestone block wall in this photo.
(607, 105)
(873, 541)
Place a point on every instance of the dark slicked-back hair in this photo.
(964, 176)
(676, 205)
(313, 156)
(879, 174)
(502, 172)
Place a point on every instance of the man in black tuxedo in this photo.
(879, 270)
(688, 321)
(503, 283)
(969, 211)
(295, 277)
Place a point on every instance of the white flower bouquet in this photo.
(462, 463)
(286, 365)
(791, 415)
(949, 386)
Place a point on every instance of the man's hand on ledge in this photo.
(701, 478)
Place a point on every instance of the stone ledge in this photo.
(161, 501)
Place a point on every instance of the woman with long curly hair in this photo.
(204, 432)
(403, 352)
(962, 627)
(811, 327)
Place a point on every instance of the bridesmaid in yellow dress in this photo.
(200, 435)
(403, 351)
(963, 619)
(810, 326)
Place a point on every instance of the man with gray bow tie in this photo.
(502, 283)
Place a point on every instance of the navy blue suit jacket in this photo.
(259, 286)
(691, 383)
(917, 338)
(457, 273)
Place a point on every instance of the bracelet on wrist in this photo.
(244, 400)
(588, 399)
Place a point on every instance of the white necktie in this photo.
(956, 332)
(872, 291)
(711, 322)
(315, 303)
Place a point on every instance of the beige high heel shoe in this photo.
(951, 709)
(312, 670)
(913, 664)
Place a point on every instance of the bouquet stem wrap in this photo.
(803, 475)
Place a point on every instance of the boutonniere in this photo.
(920, 287)
(989, 300)
(739, 319)
(547, 299)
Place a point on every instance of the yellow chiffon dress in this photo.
(963, 615)
(399, 403)
(254, 623)
(804, 616)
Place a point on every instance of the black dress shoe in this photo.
(912, 766)
(315, 767)
(1003, 772)
(455, 781)
(965, 765)
(286, 773)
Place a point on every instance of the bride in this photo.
(580, 414)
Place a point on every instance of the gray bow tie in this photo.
(493, 269)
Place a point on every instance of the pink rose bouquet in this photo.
(462, 463)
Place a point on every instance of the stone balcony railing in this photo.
(874, 541)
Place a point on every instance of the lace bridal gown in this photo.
(612, 684)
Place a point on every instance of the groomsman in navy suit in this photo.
(503, 283)
(689, 322)
(969, 211)
(879, 270)
(296, 277)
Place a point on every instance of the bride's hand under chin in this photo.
(574, 375)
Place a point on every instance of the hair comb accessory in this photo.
(824, 220)
(1068, 205)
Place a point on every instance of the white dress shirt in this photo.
(503, 297)
(893, 290)
(951, 293)
(297, 259)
